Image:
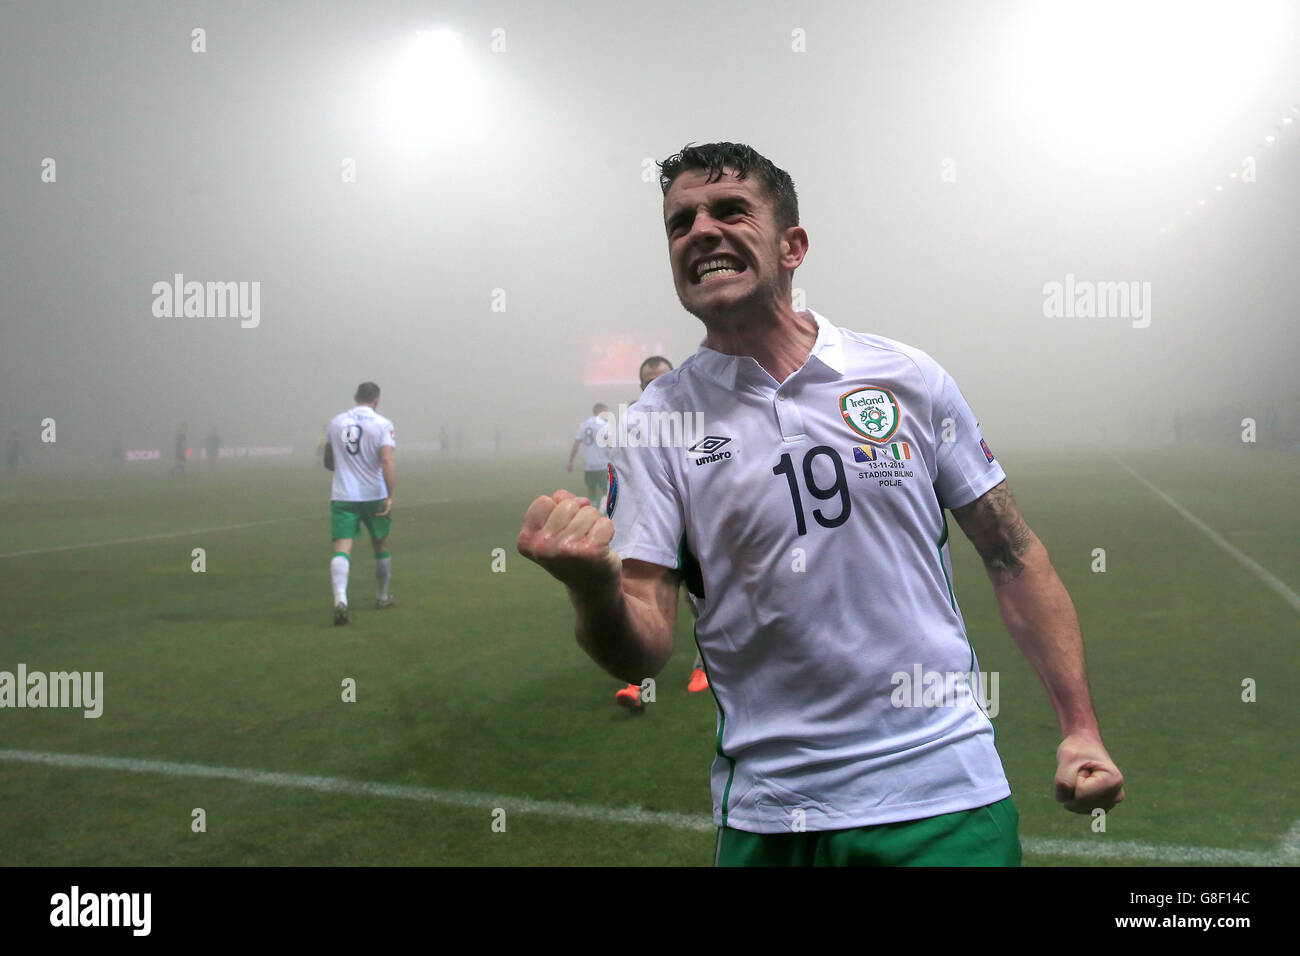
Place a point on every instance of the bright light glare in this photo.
(433, 94)
(1133, 78)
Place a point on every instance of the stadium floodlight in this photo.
(1118, 78)
(433, 94)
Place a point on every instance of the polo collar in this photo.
(741, 371)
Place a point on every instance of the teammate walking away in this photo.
(359, 446)
(595, 455)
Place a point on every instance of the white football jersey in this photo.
(595, 450)
(808, 523)
(356, 437)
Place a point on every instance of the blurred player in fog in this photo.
(13, 451)
(182, 449)
(595, 454)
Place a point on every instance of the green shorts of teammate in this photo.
(597, 484)
(985, 836)
(346, 516)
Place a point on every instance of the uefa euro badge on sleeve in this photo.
(612, 497)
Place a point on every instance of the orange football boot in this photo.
(630, 696)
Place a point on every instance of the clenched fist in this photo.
(1086, 777)
(570, 539)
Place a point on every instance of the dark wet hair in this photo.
(744, 161)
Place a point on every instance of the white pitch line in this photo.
(1103, 848)
(147, 537)
(1100, 848)
(1260, 571)
(360, 788)
(1287, 853)
(182, 534)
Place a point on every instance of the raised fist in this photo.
(570, 539)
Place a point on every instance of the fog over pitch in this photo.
(1034, 201)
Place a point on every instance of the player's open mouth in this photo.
(719, 267)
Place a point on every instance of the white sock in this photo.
(383, 572)
(339, 565)
(699, 662)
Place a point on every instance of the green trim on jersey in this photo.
(722, 723)
(693, 575)
(952, 598)
(970, 668)
(689, 565)
(943, 539)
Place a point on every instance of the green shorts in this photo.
(345, 516)
(597, 484)
(985, 836)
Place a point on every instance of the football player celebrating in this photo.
(809, 529)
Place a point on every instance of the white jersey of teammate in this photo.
(594, 451)
(809, 527)
(356, 437)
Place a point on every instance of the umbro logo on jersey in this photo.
(707, 449)
(708, 445)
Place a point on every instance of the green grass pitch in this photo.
(474, 683)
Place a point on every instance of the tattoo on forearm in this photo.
(998, 531)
